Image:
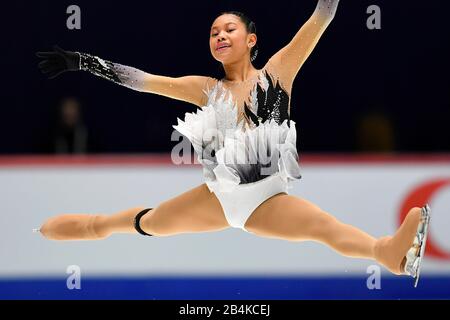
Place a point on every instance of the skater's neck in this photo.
(239, 72)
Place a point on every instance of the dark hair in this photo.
(251, 28)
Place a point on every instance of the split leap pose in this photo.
(246, 143)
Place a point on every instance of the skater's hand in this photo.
(58, 61)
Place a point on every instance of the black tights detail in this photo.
(137, 220)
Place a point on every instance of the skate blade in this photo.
(426, 216)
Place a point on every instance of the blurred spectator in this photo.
(375, 133)
(71, 135)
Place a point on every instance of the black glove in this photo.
(58, 61)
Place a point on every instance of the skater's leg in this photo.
(296, 219)
(196, 210)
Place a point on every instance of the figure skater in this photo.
(246, 143)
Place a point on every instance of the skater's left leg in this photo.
(295, 219)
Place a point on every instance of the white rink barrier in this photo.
(369, 192)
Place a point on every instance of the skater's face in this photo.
(229, 30)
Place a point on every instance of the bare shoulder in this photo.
(200, 86)
(208, 85)
(189, 88)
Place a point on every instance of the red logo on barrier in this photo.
(417, 198)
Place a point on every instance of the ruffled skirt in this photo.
(234, 155)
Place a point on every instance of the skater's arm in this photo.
(290, 58)
(186, 88)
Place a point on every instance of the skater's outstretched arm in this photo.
(290, 58)
(186, 88)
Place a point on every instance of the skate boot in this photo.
(403, 253)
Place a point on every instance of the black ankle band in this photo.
(137, 220)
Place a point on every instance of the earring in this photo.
(254, 56)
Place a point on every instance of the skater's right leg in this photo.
(196, 210)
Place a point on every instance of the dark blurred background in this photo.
(361, 90)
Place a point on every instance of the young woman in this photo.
(246, 142)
